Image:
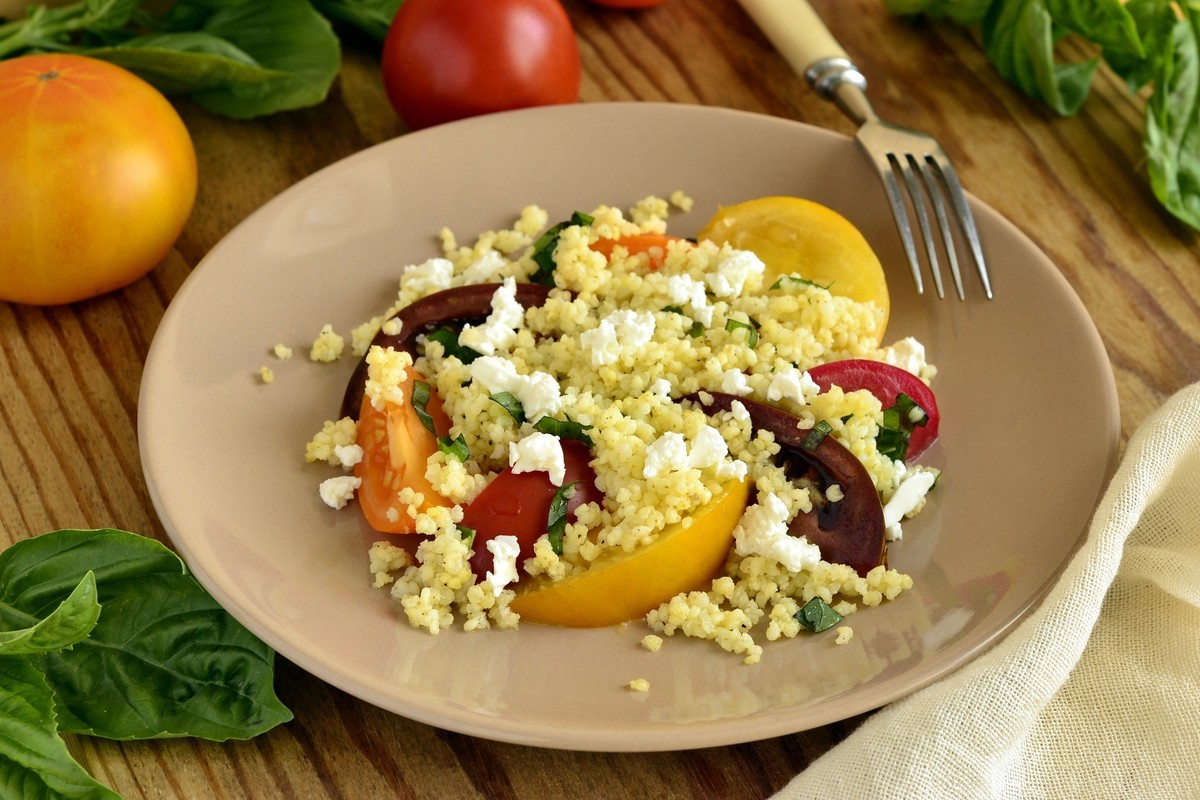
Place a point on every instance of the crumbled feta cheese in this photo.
(908, 354)
(504, 550)
(336, 492)
(539, 452)
(709, 449)
(617, 332)
(348, 454)
(667, 453)
(662, 388)
(485, 269)
(763, 531)
(739, 411)
(327, 346)
(908, 497)
(734, 381)
(733, 269)
(684, 290)
(432, 276)
(792, 384)
(539, 393)
(499, 331)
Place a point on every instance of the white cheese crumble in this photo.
(792, 384)
(684, 290)
(734, 381)
(539, 452)
(431, 276)
(504, 550)
(336, 492)
(908, 497)
(733, 270)
(538, 392)
(620, 331)
(485, 269)
(499, 331)
(667, 453)
(763, 531)
(348, 455)
(908, 354)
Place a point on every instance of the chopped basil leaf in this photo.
(455, 448)
(512, 405)
(817, 435)
(696, 330)
(467, 534)
(751, 337)
(453, 347)
(895, 431)
(673, 309)
(793, 280)
(564, 429)
(420, 400)
(817, 616)
(543, 248)
(556, 523)
(847, 418)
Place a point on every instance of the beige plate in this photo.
(1028, 437)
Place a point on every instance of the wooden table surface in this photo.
(69, 376)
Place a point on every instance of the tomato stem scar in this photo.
(48, 76)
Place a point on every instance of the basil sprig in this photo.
(449, 340)
(899, 422)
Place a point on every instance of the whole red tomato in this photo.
(97, 178)
(449, 59)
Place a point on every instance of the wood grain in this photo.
(70, 376)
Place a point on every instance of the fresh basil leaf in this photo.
(454, 448)
(796, 280)
(899, 421)
(1173, 122)
(696, 330)
(419, 397)
(184, 63)
(66, 625)
(512, 405)
(373, 17)
(564, 429)
(556, 523)
(467, 534)
(964, 12)
(752, 332)
(543, 248)
(449, 341)
(34, 759)
(816, 615)
(164, 659)
(816, 435)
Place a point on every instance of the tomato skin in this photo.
(518, 504)
(396, 447)
(885, 381)
(449, 59)
(654, 245)
(97, 178)
(628, 3)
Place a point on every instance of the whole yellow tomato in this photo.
(97, 178)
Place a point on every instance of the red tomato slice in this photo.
(396, 447)
(654, 245)
(518, 504)
(885, 381)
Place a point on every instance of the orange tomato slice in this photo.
(396, 447)
(798, 237)
(654, 245)
(624, 586)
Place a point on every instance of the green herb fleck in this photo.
(817, 435)
(673, 309)
(696, 330)
(751, 336)
(512, 405)
(556, 523)
(817, 616)
(564, 429)
(543, 248)
(899, 422)
(454, 448)
(451, 344)
(420, 401)
(796, 280)
(467, 534)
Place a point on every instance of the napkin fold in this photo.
(1097, 693)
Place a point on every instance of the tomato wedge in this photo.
(654, 245)
(518, 504)
(886, 382)
(396, 447)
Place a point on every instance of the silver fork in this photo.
(926, 177)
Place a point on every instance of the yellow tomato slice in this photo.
(798, 237)
(625, 586)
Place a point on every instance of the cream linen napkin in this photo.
(1097, 693)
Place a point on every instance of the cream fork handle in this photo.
(795, 30)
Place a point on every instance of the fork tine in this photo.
(939, 210)
(900, 215)
(915, 194)
(966, 219)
